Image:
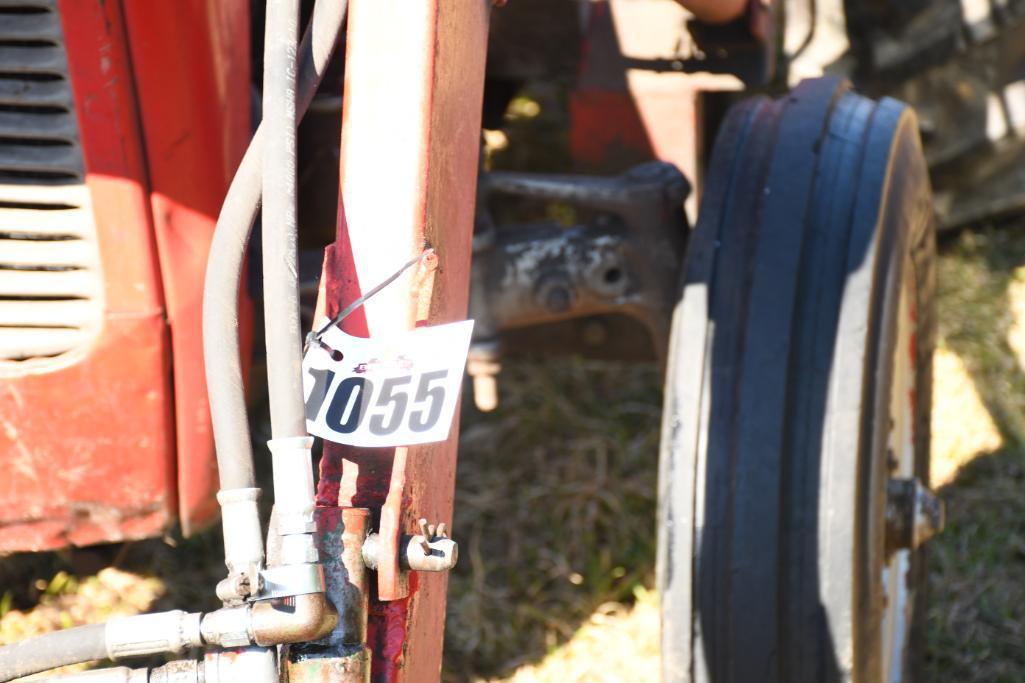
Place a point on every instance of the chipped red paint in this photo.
(87, 445)
(410, 145)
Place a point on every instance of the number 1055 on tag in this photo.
(393, 391)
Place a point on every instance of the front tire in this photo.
(798, 387)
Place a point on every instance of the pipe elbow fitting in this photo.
(298, 619)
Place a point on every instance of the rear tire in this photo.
(800, 354)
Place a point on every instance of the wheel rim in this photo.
(896, 575)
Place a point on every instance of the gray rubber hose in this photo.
(48, 651)
(220, 344)
(227, 254)
(282, 326)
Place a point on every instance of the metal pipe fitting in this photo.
(292, 463)
(152, 634)
(342, 655)
(243, 544)
(228, 627)
(350, 668)
(252, 665)
(294, 620)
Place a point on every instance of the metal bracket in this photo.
(624, 257)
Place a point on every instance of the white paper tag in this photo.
(391, 391)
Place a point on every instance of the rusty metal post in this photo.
(411, 126)
(342, 657)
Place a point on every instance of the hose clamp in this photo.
(292, 579)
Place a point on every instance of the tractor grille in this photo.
(50, 285)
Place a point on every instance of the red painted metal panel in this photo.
(99, 446)
(85, 459)
(87, 445)
(621, 116)
(410, 141)
(715, 10)
(191, 69)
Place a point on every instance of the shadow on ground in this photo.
(555, 507)
(976, 621)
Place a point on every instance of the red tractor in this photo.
(794, 320)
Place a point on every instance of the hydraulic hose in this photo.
(220, 343)
(227, 253)
(280, 231)
(290, 445)
(48, 651)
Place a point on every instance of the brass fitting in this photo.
(292, 620)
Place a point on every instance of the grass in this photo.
(555, 508)
(977, 619)
(555, 503)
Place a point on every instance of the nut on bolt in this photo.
(914, 514)
(239, 587)
(483, 366)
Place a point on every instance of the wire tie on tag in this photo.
(345, 312)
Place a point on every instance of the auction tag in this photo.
(391, 391)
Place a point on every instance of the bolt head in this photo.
(558, 300)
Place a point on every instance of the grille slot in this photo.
(51, 291)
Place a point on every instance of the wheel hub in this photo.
(914, 514)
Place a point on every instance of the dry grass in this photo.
(555, 505)
(555, 513)
(977, 579)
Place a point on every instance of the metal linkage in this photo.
(624, 257)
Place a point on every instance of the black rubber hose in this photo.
(227, 254)
(51, 650)
(282, 326)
